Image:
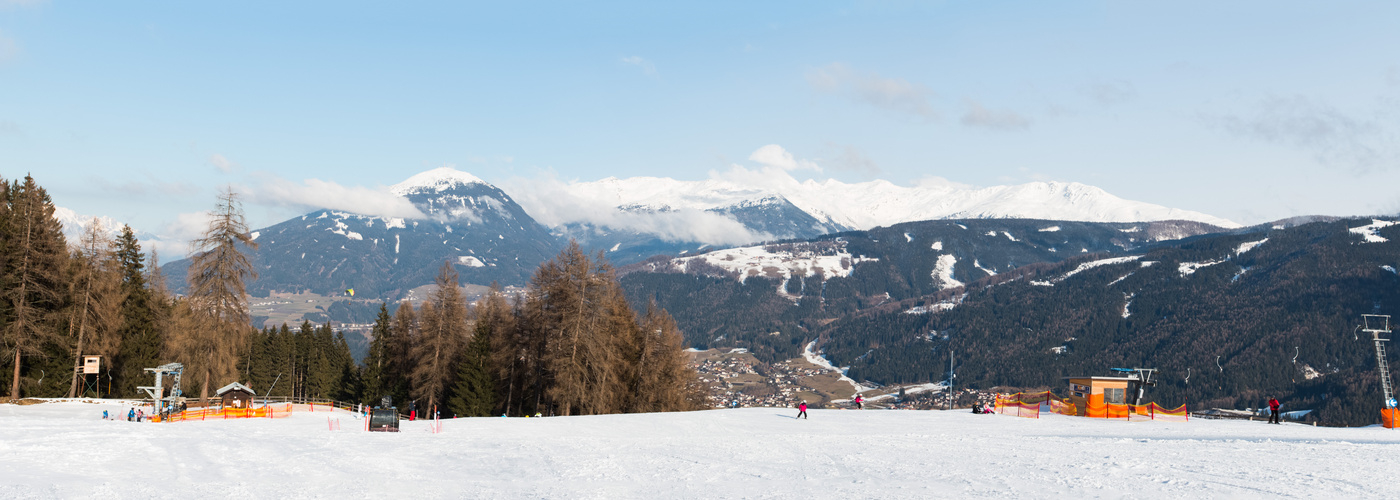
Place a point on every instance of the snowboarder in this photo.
(1273, 411)
(802, 410)
(859, 400)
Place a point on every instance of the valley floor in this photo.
(65, 450)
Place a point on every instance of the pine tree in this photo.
(442, 332)
(377, 360)
(474, 394)
(405, 335)
(442, 328)
(33, 290)
(139, 333)
(218, 274)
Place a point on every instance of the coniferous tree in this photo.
(662, 377)
(378, 364)
(218, 274)
(405, 335)
(474, 394)
(139, 332)
(441, 334)
(33, 275)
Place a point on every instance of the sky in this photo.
(1252, 111)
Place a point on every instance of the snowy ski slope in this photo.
(64, 450)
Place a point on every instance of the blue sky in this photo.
(1252, 111)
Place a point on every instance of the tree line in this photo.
(570, 345)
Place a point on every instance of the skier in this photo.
(104, 414)
(859, 400)
(1273, 411)
(131, 415)
(802, 410)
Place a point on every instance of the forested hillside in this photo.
(1256, 298)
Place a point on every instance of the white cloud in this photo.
(174, 240)
(895, 94)
(774, 155)
(1333, 136)
(222, 163)
(978, 116)
(638, 61)
(552, 202)
(9, 50)
(1110, 93)
(10, 129)
(851, 159)
(316, 194)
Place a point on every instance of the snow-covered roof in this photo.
(234, 387)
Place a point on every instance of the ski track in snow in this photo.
(63, 450)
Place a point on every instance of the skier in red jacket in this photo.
(1273, 410)
(802, 410)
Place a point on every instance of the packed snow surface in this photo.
(64, 450)
(1249, 245)
(1087, 266)
(781, 261)
(1371, 231)
(943, 272)
(819, 360)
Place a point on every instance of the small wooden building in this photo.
(1113, 389)
(236, 395)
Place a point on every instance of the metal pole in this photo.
(950, 378)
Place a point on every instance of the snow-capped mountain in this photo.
(836, 205)
(470, 223)
(74, 225)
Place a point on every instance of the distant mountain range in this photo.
(490, 237)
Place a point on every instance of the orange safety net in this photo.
(1096, 408)
(1389, 417)
(1027, 405)
(280, 411)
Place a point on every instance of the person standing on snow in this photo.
(1273, 411)
(802, 410)
(131, 415)
(859, 400)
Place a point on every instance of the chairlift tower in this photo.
(1379, 327)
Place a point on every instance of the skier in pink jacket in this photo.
(802, 410)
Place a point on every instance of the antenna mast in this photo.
(1378, 325)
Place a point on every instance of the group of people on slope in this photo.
(859, 401)
(132, 415)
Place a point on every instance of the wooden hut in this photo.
(236, 395)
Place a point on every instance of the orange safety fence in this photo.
(279, 411)
(1027, 405)
(1096, 408)
(1389, 417)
